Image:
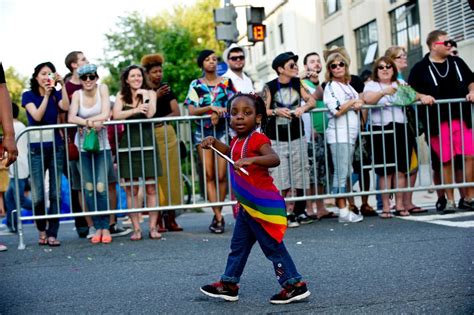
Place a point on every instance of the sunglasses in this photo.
(237, 58)
(335, 65)
(401, 57)
(292, 66)
(380, 67)
(91, 77)
(446, 43)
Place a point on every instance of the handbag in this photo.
(91, 141)
(405, 96)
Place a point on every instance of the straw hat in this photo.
(337, 50)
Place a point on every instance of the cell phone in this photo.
(164, 83)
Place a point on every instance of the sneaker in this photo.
(223, 290)
(291, 293)
(450, 207)
(217, 227)
(292, 222)
(441, 203)
(116, 231)
(92, 231)
(304, 219)
(351, 217)
(466, 204)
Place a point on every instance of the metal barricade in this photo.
(192, 178)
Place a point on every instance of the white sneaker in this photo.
(351, 217)
(92, 231)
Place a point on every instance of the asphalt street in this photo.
(375, 267)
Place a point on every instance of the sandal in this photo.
(106, 239)
(386, 215)
(43, 240)
(136, 235)
(416, 210)
(96, 239)
(53, 242)
(367, 211)
(401, 213)
(154, 234)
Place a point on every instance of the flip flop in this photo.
(330, 215)
(416, 210)
(386, 215)
(398, 213)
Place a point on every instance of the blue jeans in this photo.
(341, 154)
(52, 161)
(94, 174)
(246, 232)
(10, 201)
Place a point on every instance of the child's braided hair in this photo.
(260, 107)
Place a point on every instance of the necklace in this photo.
(213, 92)
(436, 69)
(349, 94)
(389, 97)
(243, 152)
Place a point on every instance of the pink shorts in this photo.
(455, 140)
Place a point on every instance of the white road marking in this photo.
(441, 219)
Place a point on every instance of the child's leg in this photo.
(285, 269)
(241, 245)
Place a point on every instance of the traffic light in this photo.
(256, 31)
(226, 27)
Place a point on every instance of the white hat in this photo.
(225, 55)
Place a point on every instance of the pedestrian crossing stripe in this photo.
(442, 219)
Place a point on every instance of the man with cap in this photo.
(234, 56)
(283, 98)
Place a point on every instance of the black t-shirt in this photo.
(285, 96)
(163, 104)
(441, 82)
(2, 74)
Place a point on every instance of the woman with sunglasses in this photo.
(343, 103)
(391, 134)
(42, 104)
(138, 158)
(399, 56)
(90, 107)
(209, 95)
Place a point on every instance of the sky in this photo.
(35, 31)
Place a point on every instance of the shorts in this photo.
(317, 164)
(394, 147)
(201, 133)
(76, 177)
(453, 139)
(294, 167)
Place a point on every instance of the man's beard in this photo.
(237, 68)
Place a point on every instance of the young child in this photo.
(262, 213)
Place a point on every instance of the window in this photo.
(339, 42)
(367, 45)
(331, 7)
(280, 28)
(405, 29)
(264, 47)
(454, 17)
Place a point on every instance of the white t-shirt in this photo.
(345, 128)
(388, 114)
(243, 85)
(22, 159)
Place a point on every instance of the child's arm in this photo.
(268, 158)
(207, 142)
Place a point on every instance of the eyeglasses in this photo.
(292, 66)
(446, 43)
(404, 56)
(236, 58)
(335, 65)
(91, 77)
(380, 67)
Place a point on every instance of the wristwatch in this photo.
(274, 113)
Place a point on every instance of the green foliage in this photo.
(178, 36)
(16, 84)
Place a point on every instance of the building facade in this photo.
(365, 27)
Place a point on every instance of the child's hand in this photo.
(207, 142)
(243, 162)
(214, 118)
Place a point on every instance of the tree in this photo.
(16, 84)
(179, 36)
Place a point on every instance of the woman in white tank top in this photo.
(90, 107)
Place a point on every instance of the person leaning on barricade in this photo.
(448, 126)
(138, 149)
(392, 136)
(90, 107)
(283, 98)
(42, 104)
(343, 127)
(208, 95)
(166, 106)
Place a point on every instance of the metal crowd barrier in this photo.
(192, 176)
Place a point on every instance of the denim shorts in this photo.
(201, 133)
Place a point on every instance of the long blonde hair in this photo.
(338, 58)
(394, 51)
